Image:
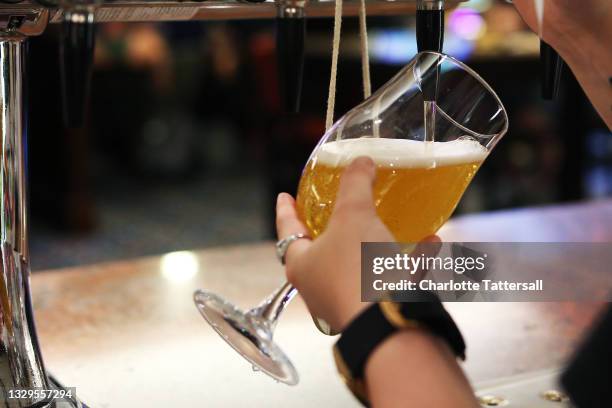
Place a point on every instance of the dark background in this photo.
(186, 145)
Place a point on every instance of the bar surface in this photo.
(127, 333)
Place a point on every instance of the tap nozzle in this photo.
(552, 68)
(76, 62)
(430, 25)
(290, 37)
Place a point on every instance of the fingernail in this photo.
(280, 198)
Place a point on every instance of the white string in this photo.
(365, 57)
(331, 96)
(365, 67)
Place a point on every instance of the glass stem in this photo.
(271, 308)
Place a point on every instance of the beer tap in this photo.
(76, 59)
(290, 37)
(552, 68)
(430, 37)
(430, 25)
(550, 62)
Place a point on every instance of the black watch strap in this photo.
(380, 320)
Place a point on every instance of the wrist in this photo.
(410, 342)
(345, 313)
(575, 44)
(378, 325)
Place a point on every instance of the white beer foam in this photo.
(401, 153)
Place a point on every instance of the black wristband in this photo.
(380, 320)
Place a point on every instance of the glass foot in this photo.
(249, 334)
(66, 402)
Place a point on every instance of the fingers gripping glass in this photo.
(428, 129)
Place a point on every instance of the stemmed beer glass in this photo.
(428, 130)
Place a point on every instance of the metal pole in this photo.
(21, 365)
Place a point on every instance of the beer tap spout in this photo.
(430, 25)
(76, 61)
(552, 68)
(290, 37)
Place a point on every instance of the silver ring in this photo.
(283, 245)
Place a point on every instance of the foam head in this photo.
(401, 153)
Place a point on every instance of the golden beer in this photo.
(417, 187)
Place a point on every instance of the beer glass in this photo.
(428, 130)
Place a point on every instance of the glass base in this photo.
(72, 402)
(247, 333)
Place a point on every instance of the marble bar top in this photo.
(127, 334)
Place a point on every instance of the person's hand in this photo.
(580, 31)
(566, 21)
(326, 271)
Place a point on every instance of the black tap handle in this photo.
(76, 62)
(430, 37)
(552, 68)
(430, 30)
(290, 35)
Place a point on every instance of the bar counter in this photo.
(127, 333)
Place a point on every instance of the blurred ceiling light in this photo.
(179, 266)
(398, 46)
(393, 46)
(467, 23)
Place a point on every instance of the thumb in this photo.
(355, 191)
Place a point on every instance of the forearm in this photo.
(590, 60)
(415, 369)
(580, 31)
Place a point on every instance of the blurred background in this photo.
(186, 144)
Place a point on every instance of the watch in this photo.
(381, 320)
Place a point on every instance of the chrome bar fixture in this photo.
(21, 364)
